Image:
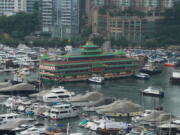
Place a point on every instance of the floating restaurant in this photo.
(92, 61)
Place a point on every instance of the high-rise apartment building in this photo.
(10, 7)
(164, 4)
(117, 27)
(141, 5)
(118, 4)
(46, 15)
(66, 18)
(31, 5)
(98, 3)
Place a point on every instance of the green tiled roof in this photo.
(71, 69)
(95, 55)
(81, 63)
(86, 50)
(117, 70)
(89, 46)
(67, 74)
(81, 56)
(122, 65)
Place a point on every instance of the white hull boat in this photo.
(153, 92)
(96, 79)
(62, 111)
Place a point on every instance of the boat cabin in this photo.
(8, 117)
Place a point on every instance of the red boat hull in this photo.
(169, 65)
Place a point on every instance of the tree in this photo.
(169, 31)
(98, 40)
(19, 25)
(120, 42)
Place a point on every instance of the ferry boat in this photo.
(142, 76)
(153, 92)
(62, 111)
(81, 67)
(175, 77)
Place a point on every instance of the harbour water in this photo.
(127, 88)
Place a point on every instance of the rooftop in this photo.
(89, 46)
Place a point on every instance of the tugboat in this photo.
(142, 76)
(153, 92)
(175, 77)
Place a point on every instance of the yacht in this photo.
(62, 111)
(96, 79)
(57, 95)
(8, 117)
(142, 76)
(153, 92)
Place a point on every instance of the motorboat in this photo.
(95, 124)
(140, 131)
(57, 95)
(171, 63)
(24, 71)
(96, 79)
(111, 127)
(34, 130)
(153, 92)
(22, 127)
(83, 123)
(142, 76)
(150, 69)
(62, 111)
(144, 114)
(17, 78)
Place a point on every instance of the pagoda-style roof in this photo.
(89, 45)
(94, 55)
(90, 49)
(86, 50)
